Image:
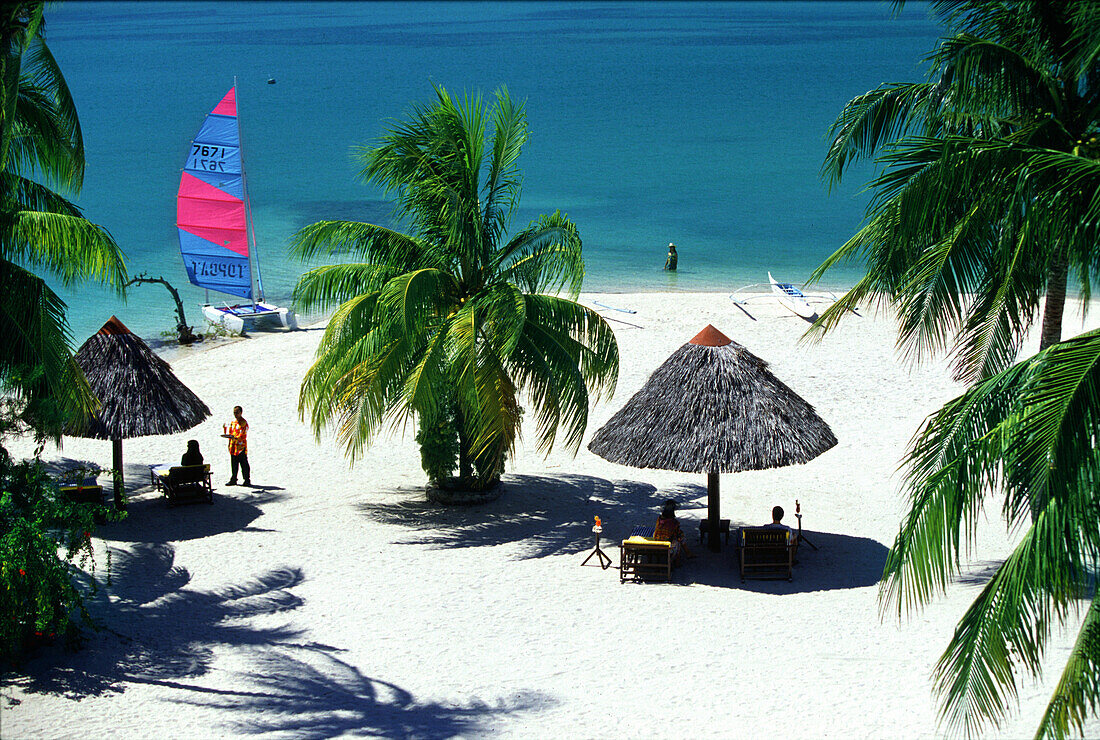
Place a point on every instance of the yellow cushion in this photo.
(646, 541)
(82, 487)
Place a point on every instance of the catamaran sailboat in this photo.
(214, 217)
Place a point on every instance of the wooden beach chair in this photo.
(766, 552)
(188, 484)
(85, 490)
(642, 558)
(80, 488)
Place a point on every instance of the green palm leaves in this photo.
(451, 323)
(1029, 431)
(41, 148)
(972, 223)
(987, 201)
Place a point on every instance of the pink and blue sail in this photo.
(211, 210)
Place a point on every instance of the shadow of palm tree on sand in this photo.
(545, 515)
(549, 515)
(315, 695)
(157, 630)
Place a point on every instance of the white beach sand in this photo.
(333, 601)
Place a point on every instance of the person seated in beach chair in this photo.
(668, 529)
(193, 456)
(777, 523)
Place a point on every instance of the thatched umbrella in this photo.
(713, 407)
(139, 394)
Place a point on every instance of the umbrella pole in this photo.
(116, 463)
(713, 512)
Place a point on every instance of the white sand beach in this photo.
(333, 600)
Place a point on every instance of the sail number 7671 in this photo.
(207, 157)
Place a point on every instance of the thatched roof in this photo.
(140, 394)
(713, 406)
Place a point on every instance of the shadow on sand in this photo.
(841, 561)
(156, 628)
(553, 515)
(313, 694)
(160, 632)
(149, 518)
(545, 515)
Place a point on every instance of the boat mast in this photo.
(253, 252)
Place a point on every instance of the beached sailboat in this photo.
(214, 218)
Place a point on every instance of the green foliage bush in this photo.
(438, 440)
(42, 539)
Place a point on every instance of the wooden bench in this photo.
(645, 559)
(766, 552)
(187, 484)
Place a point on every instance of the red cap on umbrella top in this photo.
(710, 337)
(113, 326)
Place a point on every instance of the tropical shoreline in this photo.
(331, 598)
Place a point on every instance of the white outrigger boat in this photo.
(789, 296)
(214, 217)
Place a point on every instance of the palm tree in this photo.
(988, 202)
(1030, 431)
(41, 150)
(452, 322)
(962, 246)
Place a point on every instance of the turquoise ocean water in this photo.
(697, 123)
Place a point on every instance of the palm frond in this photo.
(1075, 698)
(485, 395)
(871, 120)
(543, 258)
(36, 361)
(1007, 627)
(28, 195)
(330, 285)
(367, 242)
(992, 81)
(503, 182)
(43, 142)
(566, 359)
(413, 303)
(356, 377)
(1029, 431)
(71, 247)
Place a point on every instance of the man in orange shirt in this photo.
(237, 434)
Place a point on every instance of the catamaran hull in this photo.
(240, 319)
(792, 299)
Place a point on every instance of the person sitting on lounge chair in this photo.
(777, 523)
(192, 456)
(668, 529)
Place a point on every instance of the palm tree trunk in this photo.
(1052, 328)
(465, 461)
(1054, 306)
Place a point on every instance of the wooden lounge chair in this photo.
(85, 490)
(766, 552)
(80, 488)
(188, 484)
(642, 558)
